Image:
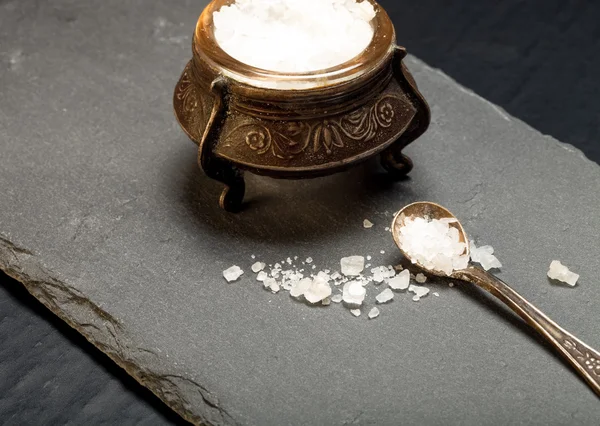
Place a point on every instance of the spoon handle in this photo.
(585, 359)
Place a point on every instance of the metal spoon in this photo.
(583, 358)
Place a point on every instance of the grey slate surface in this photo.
(235, 357)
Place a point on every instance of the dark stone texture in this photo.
(114, 229)
(50, 375)
(538, 59)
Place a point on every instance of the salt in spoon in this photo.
(583, 358)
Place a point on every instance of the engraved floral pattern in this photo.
(257, 140)
(187, 94)
(321, 137)
(590, 361)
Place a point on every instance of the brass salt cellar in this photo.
(297, 126)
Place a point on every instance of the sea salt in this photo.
(560, 272)
(385, 296)
(309, 260)
(262, 276)
(337, 298)
(381, 273)
(258, 266)
(352, 266)
(318, 291)
(401, 281)
(485, 257)
(367, 224)
(233, 274)
(421, 278)
(354, 293)
(374, 313)
(419, 292)
(355, 312)
(294, 36)
(300, 287)
(434, 244)
(271, 285)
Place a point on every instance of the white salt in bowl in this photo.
(207, 48)
(297, 125)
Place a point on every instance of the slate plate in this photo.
(112, 226)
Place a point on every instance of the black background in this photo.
(538, 59)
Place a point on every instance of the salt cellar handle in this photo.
(582, 357)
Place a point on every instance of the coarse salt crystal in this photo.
(367, 224)
(354, 293)
(374, 313)
(271, 285)
(337, 298)
(560, 272)
(233, 274)
(258, 266)
(419, 292)
(262, 276)
(381, 273)
(400, 281)
(421, 278)
(485, 257)
(309, 260)
(355, 312)
(318, 291)
(352, 266)
(326, 302)
(385, 296)
(300, 287)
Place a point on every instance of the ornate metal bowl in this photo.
(297, 125)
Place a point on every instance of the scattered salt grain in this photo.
(421, 278)
(367, 224)
(354, 293)
(262, 276)
(337, 298)
(560, 272)
(369, 258)
(401, 281)
(385, 296)
(485, 257)
(374, 313)
(419, 292)
(436, 294)
(434, 244)
(352, 266)
(355, 312)
(300, 287)
(309, 260)
(381, 273)
(326, 302)
(294, 36)
(450, 285)
(318, 291)
(382, 252)
(258, 266)
(271, 285)
(233, 274)
(253, 256)
(289, 260)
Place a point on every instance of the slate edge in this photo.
(108, 335)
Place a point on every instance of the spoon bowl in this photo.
(430, 210)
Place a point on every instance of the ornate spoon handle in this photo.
(585, 359)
